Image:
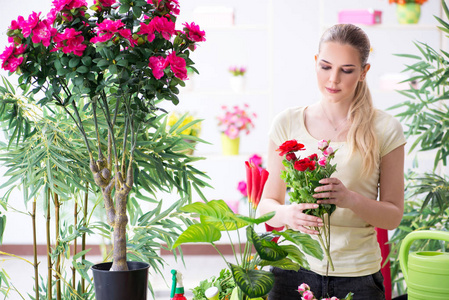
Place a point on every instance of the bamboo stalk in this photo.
(36, 264)
(83, 242)
(58, 260)
(75, 218)
(49, 263)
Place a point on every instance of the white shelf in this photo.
(394, 26)
(217, 92)
(239, 27)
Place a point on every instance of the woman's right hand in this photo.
(297, 220)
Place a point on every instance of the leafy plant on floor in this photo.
(224, 282)
(426, 115)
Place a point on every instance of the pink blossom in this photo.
(107, 29)
(307, 295)
(51, 16)
(61, 5)
(303, 287)
(178, 66)
(256, 160)
(323, 144)
(194, 33)
(322, 161)
(28, 25)
(105, 3)
(71, 41)
(158, 64)
(147, 29)
(43, 32)
(328, 151)
(10, 57)
(171, 5)
(17, 24)
(232, 132)
(164, 26)
(242, 188)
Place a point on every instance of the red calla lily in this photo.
(256, 178)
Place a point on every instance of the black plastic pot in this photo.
(120, 285)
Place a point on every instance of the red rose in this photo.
(312, 165)
(314, 156)
(302, 165)
(290, 146)
(290, 156)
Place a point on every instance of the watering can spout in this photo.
(427, 272)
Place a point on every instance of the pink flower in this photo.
(232, 132)
(308, 295)
(28, 25)
(323, 144)
(105, 3)
(158, 64)
(164, 26)
(17, 24)
(322, 161)
(194, 33)
(43, 32)
(303, 287)
(61, 5)
(147, 29)
(71, 41)
(171, 6)
(178, 66)
(10, 57)
(107, 29)
(256, 159)
(242, 188)
(328, 151)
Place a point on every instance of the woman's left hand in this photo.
(333, 191)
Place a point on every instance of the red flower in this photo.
(290, 146)
(314, 156)
(290, 156)
(255, 181)
(304, 164)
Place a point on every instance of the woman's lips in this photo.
(332, 91)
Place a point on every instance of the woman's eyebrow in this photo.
(348, 65)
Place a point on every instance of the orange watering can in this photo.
(427, 272)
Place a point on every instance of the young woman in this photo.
(370, 163)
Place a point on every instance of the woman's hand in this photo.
(297, 220)
(333, 191)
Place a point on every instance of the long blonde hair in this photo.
(361, 136)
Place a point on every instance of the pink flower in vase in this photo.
(242, 188)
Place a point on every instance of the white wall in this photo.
(277, 41)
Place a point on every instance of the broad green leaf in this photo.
(198, 233)
(303, 241)
(254, 283)
(285, 264)
(267, 250)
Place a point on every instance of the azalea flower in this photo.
(62, 5)
(158, 64)
(178, 65)
(70, 41)
(164, 26)
(194, 33)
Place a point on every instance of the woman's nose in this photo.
(334, 76)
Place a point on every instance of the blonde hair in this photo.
(361, 136)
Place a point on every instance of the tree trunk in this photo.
(36, 264)
(121, 220)
(75, 221)
(58, 260)
(49, 263)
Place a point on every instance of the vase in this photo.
(110, 285)
(408, 13)
(237, 83)
(230, 146)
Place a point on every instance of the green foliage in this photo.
(224, 282)
(216, 217)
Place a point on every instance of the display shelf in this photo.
(238, 27)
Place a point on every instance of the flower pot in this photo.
(408, 13)
(238, 83)
(235, 295)
(119, 285)
(230, 146)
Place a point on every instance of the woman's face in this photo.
(338, 70)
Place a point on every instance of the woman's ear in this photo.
(365, 70)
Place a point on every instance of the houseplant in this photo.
(216, 217)
(107, 68)
(191, 133)
(425, 115)
(238, 79)
(231, 123)
(408, 11)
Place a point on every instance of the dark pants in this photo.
(286, 284)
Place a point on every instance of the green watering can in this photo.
(427, 272)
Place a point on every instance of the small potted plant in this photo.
(190, 128)
(232, 122)
(237, 79)
(408, 11)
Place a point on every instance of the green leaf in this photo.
(304, 241)
(285, 264)
(74, 62)
(198, 233)
(254, 283)
(267, 250)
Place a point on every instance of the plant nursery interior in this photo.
(252, 60)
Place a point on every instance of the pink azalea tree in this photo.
(107, 67)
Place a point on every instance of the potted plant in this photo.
(237, 79)
(408, 11)
(232, 122)
(191, 132)
(107, 68)
(250, 279)
(425, 115)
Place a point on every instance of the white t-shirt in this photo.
(354, 247)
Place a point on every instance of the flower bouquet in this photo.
(306, 294)
(237, 71)
(235, 120)
(303, 176)
(216, 217)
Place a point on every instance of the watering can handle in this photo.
(417, 235)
